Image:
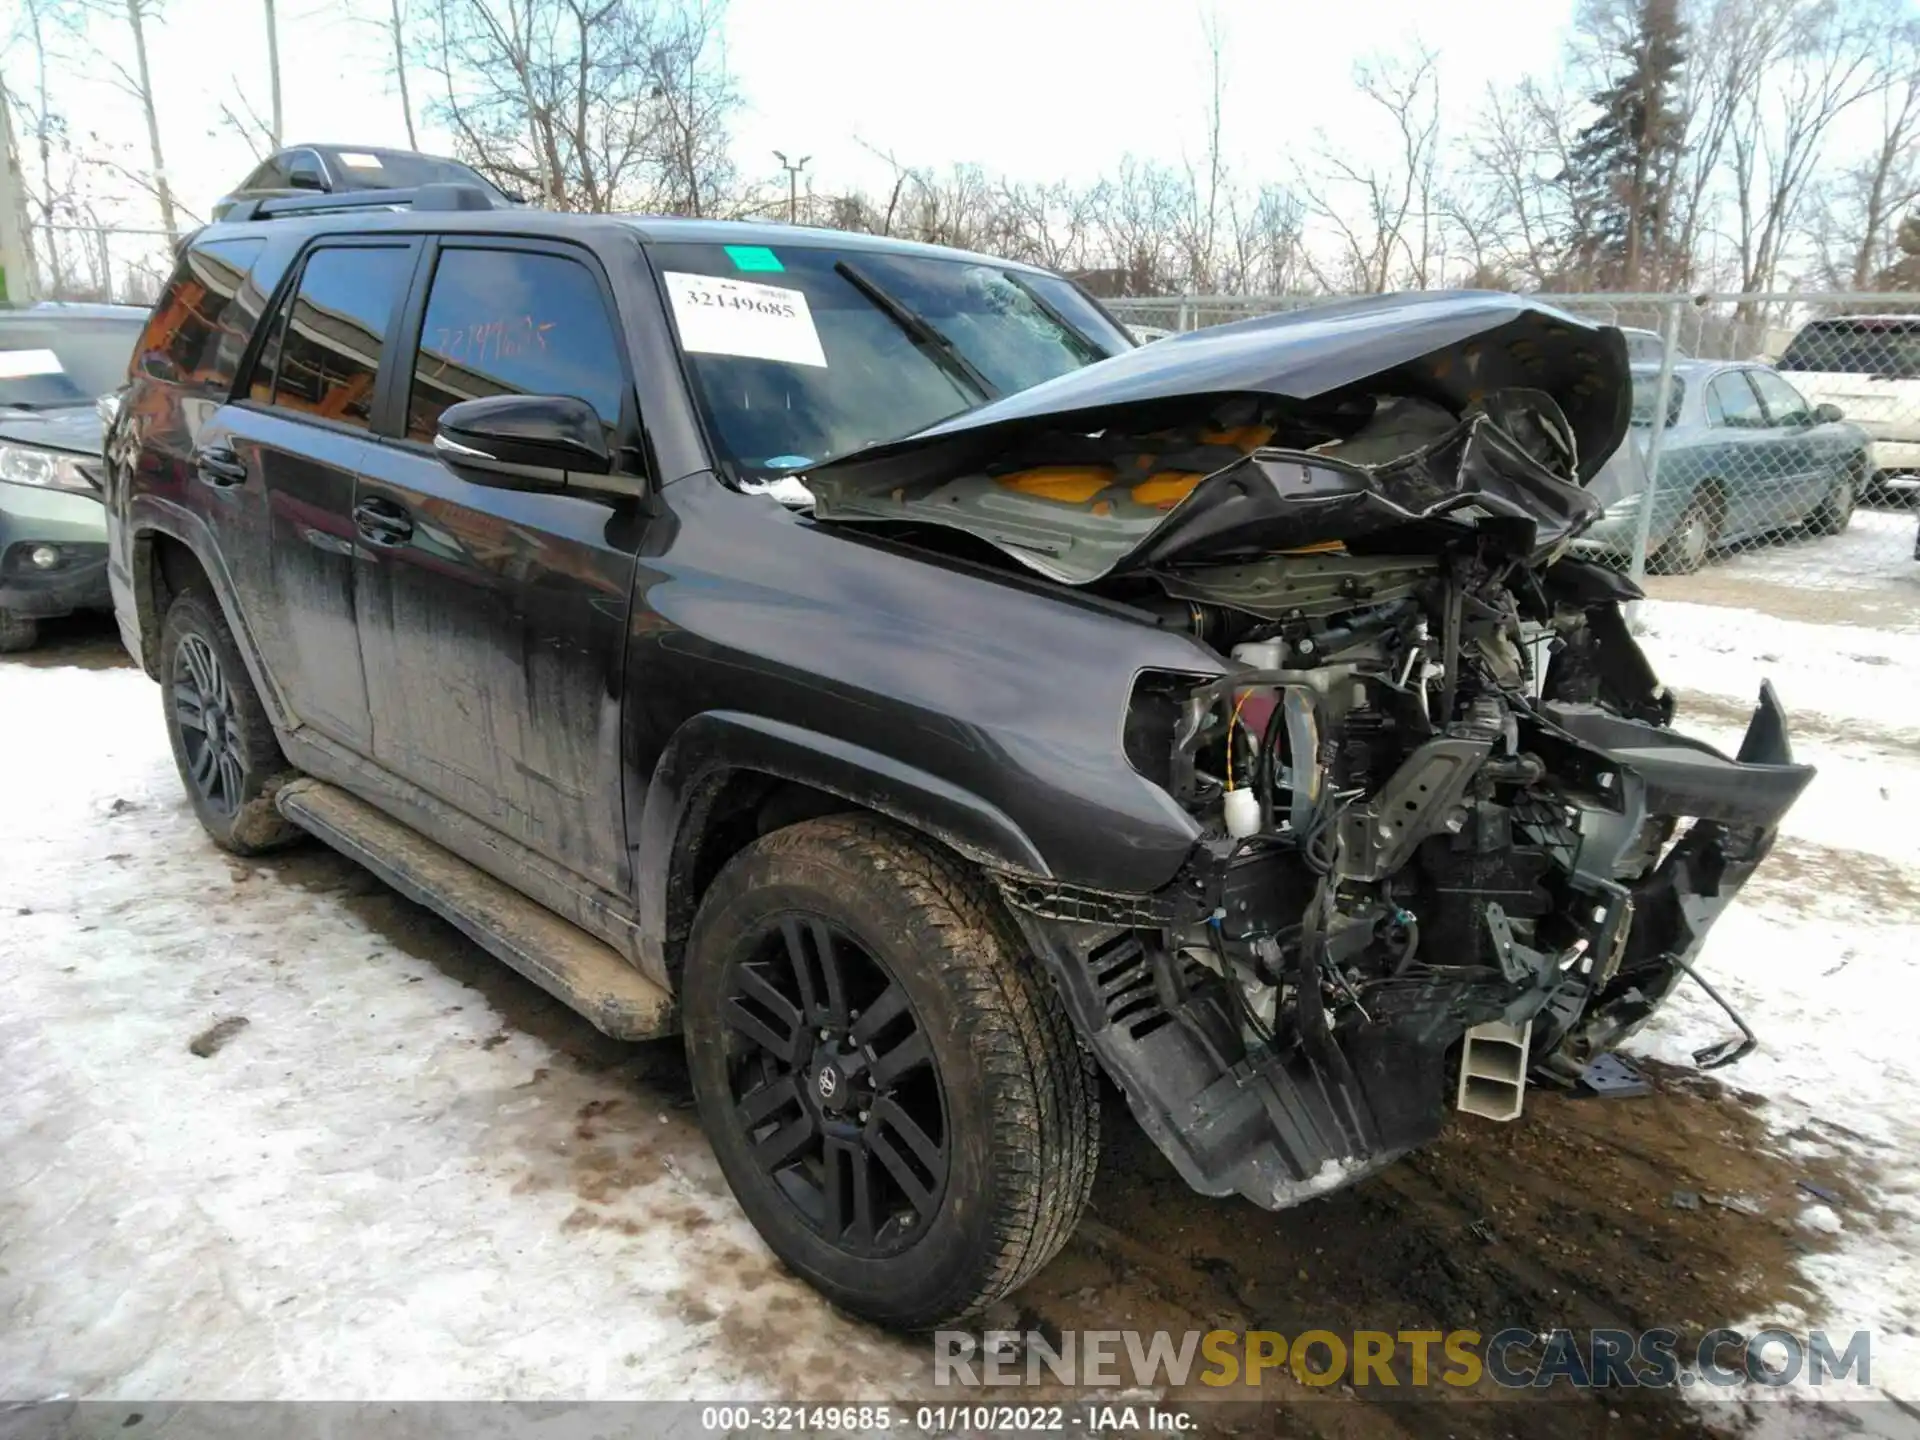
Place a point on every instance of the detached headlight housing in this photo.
(49, 469)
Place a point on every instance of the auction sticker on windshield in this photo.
(19, 364)
(738, 317)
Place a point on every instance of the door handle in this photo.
(219, 466)
(383, 522)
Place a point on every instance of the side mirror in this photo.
(525, 442)
(1826, 414)
(305, 177)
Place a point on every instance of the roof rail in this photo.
(438, 196)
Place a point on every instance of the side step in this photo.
(1493, 1070)
(559, 957)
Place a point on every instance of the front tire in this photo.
(17, 632)
(893, 1090)
(1693, 539)
(223, 743)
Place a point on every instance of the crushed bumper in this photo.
(1280, 1124)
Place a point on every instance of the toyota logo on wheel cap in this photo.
(828, 1081)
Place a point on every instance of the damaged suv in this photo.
(859, 657)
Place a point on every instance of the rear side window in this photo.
(323, 358)
(201, 324)
(509, 322)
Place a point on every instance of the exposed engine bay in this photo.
(1449, 838)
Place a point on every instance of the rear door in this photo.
(282, 461)
(492, 622)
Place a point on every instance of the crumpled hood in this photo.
(1450, 345)
(75, 428)
(1471, 405)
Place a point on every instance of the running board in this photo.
(559, 957)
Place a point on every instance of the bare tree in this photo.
(138, 82)
(396, 31)
(1780, 127)
(1391, 234)
(589, 105)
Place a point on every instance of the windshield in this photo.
(1857, 348)
(388, 170)
(801, 353)
(47, 362)
(1646, 385)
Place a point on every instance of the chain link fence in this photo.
(99, 263)
(1786, 469)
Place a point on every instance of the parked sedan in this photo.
(1744, 458)
(56, 362)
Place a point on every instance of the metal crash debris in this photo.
(1433, 785)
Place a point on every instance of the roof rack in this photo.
(441, 195)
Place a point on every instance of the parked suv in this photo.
(59, 365)
(1868, 367)
(859, 657)
(350, 169)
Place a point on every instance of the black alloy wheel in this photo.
(223, 742)
(891, 1083)
(836, 1086)
(216, 765)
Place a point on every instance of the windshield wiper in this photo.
(917, 329)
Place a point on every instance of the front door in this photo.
(492, 622)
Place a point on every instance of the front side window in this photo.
(324, 358)
(506, 322)
(1731, 402)
(1784, 403)
(799, 354)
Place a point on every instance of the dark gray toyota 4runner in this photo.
(859, 657)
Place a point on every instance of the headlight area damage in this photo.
(1449, 837)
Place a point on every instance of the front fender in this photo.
(717, 743)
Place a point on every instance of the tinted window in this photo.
(324, 359)
(1731, 401)
(503, 322)
(1859, 347)
(272, 175)
(198, 330)
(794, 362)
(48, 361)
(1784, 403)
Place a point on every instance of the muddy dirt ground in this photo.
(1568, 1218)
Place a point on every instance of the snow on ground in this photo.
(381, 1188)
(1823, 953)
(374, 1189)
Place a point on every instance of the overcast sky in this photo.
(1035, 89)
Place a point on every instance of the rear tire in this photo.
(1692, 541)
(223, 743)
(893, 1089)
(17, 632)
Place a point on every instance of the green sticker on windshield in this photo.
(753, 257)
